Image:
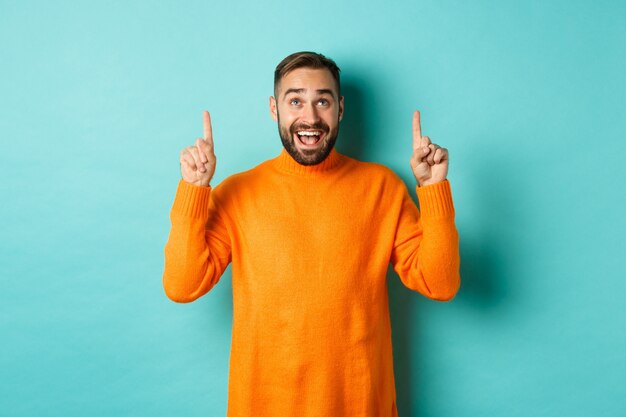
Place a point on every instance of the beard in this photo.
(307, 156)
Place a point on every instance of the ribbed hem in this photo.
(285, 162)
(191, 200)
(436, 200)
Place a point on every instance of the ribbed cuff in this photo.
(191, 200)
(436, 200)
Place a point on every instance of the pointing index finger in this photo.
(417, 131)
(208, 131)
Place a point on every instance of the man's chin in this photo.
(309, 157)
(306, 158)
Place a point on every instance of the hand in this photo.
(197, 162)
(429, 161)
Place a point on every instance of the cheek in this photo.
(333, 119)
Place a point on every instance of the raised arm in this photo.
(198, 247)
(426, 247)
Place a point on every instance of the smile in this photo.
(309, 137)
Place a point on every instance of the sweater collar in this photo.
(285, 162)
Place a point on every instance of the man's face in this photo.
(308, 109)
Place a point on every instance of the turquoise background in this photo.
(98, 98)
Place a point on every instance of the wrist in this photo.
(426, 183)
(204, 184)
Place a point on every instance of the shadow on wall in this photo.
(491, 246)
(489, 251)
(353, 131)
(482, 271)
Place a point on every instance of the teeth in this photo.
(305, 133)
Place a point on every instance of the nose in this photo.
(310, 114)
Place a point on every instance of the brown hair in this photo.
(306, 59)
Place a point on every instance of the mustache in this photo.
(319, 125)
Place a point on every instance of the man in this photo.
(310, 235)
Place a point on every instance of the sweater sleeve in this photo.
(198, 248)
(426, 247)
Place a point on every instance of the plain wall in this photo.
(98, 98)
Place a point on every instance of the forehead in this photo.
(309, 79)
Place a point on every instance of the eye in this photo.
(323, 102)
(294, 102)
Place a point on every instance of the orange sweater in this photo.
(310, 247)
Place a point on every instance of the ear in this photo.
(273, 112)
(340, 108)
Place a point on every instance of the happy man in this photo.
(310, 234)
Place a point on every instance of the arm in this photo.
(426, 246)
(198, 247)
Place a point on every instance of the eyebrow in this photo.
(321, 91)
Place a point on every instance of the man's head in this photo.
(307, 105)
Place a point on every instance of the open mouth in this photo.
(309, 138)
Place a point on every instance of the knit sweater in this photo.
(310, 247)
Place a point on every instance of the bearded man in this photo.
(310, 234)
